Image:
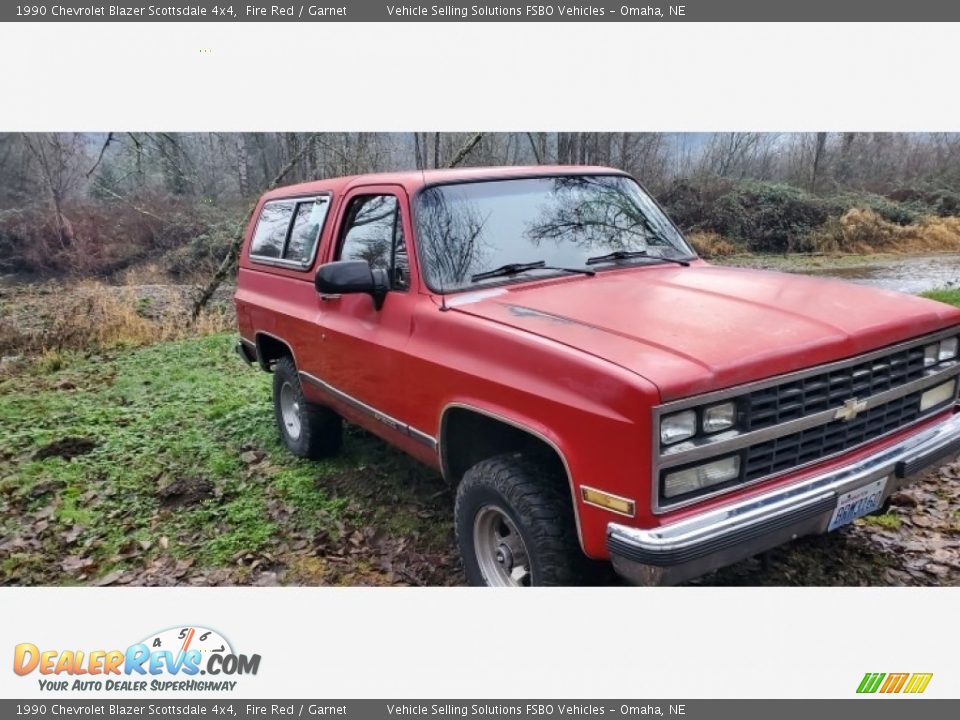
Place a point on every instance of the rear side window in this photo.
(288, 230)
(271, 233)
(307, 223)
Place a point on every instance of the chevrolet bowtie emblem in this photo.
(851, 408)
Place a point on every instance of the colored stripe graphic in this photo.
(918, 682)
(893, 683)
(870, 682)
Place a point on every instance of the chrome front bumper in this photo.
(679, 551)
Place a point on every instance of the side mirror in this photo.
(345, 277)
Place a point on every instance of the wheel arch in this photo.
(461, 425)
(270, 348)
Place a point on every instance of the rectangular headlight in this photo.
(948, 349)
(703, 476)
(938, 395)
(719, 417)
(931, 354)
(677, 427)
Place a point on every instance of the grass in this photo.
(189, 415)
(951, 296)
(887, 520)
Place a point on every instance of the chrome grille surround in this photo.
(890, 375)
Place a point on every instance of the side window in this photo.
(401, 261)
(271, 232)
(373, 232)
(289, 230)
(307, 223)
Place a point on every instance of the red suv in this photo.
(547, 338)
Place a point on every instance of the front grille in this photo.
(790, 451)
(768, 446)
(789, 401)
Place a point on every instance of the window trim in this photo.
(296, 265)
(397, 224)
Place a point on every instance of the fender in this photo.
(538, 430)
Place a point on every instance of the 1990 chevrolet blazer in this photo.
(547, 338)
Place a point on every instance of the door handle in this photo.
(327, 297)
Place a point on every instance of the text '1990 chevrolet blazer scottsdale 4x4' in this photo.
(547, 338)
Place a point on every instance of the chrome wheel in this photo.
(500, 550)
(290, 410)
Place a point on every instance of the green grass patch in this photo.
(887, 520)
(951, 296)
(90, 448)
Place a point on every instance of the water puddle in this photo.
(904, 274)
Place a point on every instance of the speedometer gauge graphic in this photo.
(181, 639)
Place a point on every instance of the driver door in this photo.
(363, 346)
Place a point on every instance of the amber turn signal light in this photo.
(608, 502)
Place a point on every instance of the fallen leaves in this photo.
(918, 545)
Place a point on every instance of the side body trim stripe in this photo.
(388, 420)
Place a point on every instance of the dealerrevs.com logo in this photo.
(177, 659)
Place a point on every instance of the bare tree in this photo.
(819, 151)
(57, 156)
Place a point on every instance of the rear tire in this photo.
(515, 525)
(307, 430)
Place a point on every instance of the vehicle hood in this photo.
(695, 329)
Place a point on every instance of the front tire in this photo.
(307, 430)
(515, 526)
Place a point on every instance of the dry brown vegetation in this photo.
(711, 245)
(861, 230)
(51, 318)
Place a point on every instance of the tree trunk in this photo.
(818, 152)
(242, 166)
(465, 150)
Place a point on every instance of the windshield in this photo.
(467, 229)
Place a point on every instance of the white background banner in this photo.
(566, 643)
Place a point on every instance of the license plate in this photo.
(857, 503)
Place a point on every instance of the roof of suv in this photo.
(413, 180)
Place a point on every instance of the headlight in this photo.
(677, 427)
(719, 417)
(939, 352)
(697, 478)
(948, 349)
(937, 395)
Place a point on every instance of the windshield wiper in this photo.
(516, 268)
(627, 254)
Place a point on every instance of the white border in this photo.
(616, 642)
(478, 643)
(478, 76)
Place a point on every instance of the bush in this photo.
(942, 202)
(109, 235)
(890, 210)
(710, 245)
(766, 217)
(201, 255)
(772, 217)
(92, 316)
(861, 230)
